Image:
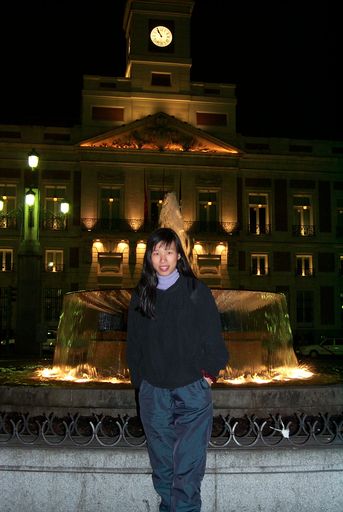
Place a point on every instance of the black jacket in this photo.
(185, 337)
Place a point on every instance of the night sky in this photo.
(285, 59)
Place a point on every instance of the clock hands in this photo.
(161, 36)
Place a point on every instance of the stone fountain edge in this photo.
(261, 401)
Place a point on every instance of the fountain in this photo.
(92, 334)
(92, 329)
(90, 354)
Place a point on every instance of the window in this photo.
(156, 201)
(211, 119)
(110, 199)
(297, 148)
(304, 266)
(74, 257)
(285, 291)
(282, 261)
(327, 305)
(107, 114)
(52, 304)
(110, 263)
(302, 216)
(8, 195)
(54, 260)
(326, 262)
(208, 210)
(258, 214)
(259, 264)
(162, 79)
(339, 216)
(54, 218)
(6, 260)
(305, 307)
(212, 90)
(5, 309)
(53, 199)
(209, 264)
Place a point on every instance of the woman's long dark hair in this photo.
(146, 287)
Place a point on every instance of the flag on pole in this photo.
(146, 209)
(180, 184)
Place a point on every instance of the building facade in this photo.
(258, 213)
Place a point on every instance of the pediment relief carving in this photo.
(160, 132)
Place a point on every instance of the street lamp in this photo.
(29, 270)
(33, 159)
(30, 197)
(30, 202)
(65, 206)
(30, 241)
(30, 325)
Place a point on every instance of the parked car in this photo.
(327, 347)
(49, 343)
(7, 341)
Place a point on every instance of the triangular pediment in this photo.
(160, 132)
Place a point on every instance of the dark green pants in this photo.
(177, 424)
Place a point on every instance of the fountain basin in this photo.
(91, 338)
(121, 400)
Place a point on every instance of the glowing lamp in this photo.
(33, 159)
(65, 206)
(30, 197)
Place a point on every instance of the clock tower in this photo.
(158, 76)
(158, 44)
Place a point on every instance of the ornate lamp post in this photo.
(29, 331)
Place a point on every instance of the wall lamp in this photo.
(33, 159)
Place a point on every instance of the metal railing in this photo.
(50, 222)
(303, 230)
(54, 267)
(298, 430)
(47, 220)
(8, 221)
(139, 225)
(116, 225)
(306, 272)
(259, 229)
(259, 273)
(217, 227)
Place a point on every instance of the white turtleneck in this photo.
(164, 282)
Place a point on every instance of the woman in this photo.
(175, 350)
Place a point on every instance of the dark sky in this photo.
(285, 59)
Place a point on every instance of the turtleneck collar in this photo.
(164, 282)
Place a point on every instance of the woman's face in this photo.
(164, 259)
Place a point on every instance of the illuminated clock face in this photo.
(161, 36)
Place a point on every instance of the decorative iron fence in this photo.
(298, 430)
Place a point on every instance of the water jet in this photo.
(92, 335)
